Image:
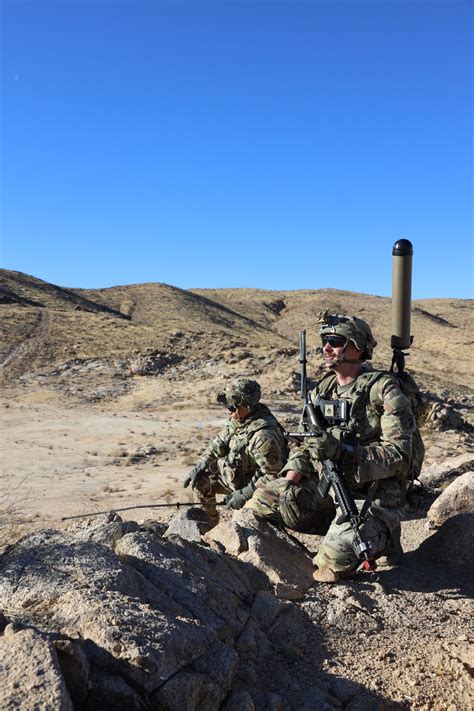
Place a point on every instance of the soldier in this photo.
(250, 449)
(372, 446)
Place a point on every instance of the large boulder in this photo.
(30, 675)
(457, 498)
(272, 550)
(128, 619)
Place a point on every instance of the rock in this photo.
(442, 416)
(219, 663)
(270, 549)
(106, 529)
(111, 692)
(452, 545)
(190, 524)
(457, 498)
(269, 701)
(153, 363)
(289, 633)
(445, 471)
(239, 701)
(3, 621)
(188, 691)
(74, 667)
(266, 608)
(152, 526)
(30, 674)
(197, 580)
(145, 641)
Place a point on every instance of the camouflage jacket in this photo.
(251, 449)
(380, 423)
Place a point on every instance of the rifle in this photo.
(331, 476)
(176, 504)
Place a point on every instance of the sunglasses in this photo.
(334, 341)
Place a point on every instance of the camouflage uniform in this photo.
(379, 427)
(243, 454)
(297, 506)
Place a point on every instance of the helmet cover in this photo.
(352, 328)
(242, 391)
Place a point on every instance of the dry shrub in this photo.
(12, 504)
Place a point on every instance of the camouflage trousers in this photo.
(297, 506)
(217, 479)
(336, 551)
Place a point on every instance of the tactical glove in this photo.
(239, 497)
(328, 447)
(194, 474)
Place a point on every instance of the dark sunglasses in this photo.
(334, 341)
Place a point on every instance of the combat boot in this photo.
(326, 575)
(393, 553)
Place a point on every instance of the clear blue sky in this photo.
(259, 143)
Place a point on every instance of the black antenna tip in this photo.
(402, 248)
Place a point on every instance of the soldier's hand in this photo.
(235, 500)
(328, 447)
(193, 476)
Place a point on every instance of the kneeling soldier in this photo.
(368, 427)
(249, 450)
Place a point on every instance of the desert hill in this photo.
(442, 328)
(44, 325)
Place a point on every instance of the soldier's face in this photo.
(334, 351)
(239, 414)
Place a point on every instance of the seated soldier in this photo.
(250, 449)
(371, 444)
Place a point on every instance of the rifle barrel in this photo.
(177, 504)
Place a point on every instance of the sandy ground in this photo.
(63, 458)
(61, 461)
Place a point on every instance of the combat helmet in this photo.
(355, 329)
(242, 391)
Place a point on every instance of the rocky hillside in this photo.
(45, 325)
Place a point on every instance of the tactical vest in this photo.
(237, 455)
(366, 409)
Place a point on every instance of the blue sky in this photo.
(260, 143)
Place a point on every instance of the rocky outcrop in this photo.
(269, 549)
(136, 620)
(153, 363)
(457, 498)
(441, 416)
(115, 615)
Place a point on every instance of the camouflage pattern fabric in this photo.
(242, 453)
(242, 391)
(381, 425)
(336, 551)
(297, 506)
(355, 329)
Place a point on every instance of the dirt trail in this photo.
(29, 344)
